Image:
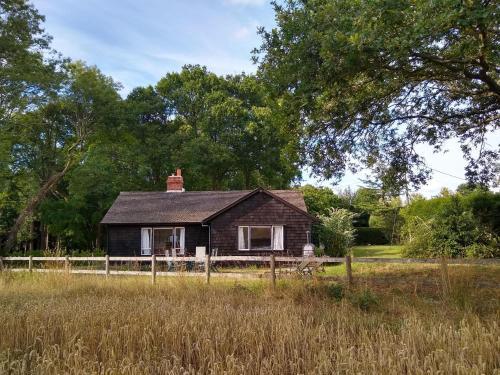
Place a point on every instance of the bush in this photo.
(478, 250)
(319, 251)
(335, 291)
(336, 231)
(370, 236)
(417, 240)
(365, 300)
(454, 231)
(60, 252)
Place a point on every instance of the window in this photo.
(260, 237)
(146, 241)
(160, 240)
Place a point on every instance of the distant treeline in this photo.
(465, 223)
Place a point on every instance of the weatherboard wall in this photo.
(260, 209)
(125, 239)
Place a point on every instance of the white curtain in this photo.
(146, 241)
(241, 238)
(182, 238)
(278, 237)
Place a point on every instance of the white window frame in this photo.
(249, 231)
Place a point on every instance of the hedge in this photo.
(370, 236)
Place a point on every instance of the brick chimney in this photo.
(175, 182)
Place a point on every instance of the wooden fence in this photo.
(205, 265)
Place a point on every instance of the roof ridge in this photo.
(204, 191)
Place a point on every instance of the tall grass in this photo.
(54, 324)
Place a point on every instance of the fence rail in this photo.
(259, 259)
(206, 264)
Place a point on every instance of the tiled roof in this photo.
(185, 207)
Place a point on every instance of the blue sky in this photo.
(138, 42)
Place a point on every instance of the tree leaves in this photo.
(370, 80)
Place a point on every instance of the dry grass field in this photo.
(53, 324)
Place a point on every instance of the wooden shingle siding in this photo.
(125, 240)
(260, 209)
(196, 235)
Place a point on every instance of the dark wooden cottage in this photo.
(256, 222)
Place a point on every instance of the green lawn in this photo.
(373, 251)
(377, 251)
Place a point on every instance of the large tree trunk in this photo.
(247, 175)
(31, 239)
(98, 237)
(46, 238)
(33, 204)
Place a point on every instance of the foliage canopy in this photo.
(373, 79)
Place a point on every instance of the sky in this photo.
(138, 42)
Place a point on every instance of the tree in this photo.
(228, 134)
(266, 147)
(54, 138)
(336, 232)
(319, 200)
(153, 137)
(30, 72)
(387, 217)
(28, 67)
(373, 79)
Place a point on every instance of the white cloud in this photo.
(246, 2)
(242, 32)
(217, 62)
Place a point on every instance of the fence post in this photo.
(66, 263)
(445, 278)
(207, 268)
(348, 269)
(273, 271)
(107, 266)
(30, 263)
(153, 269)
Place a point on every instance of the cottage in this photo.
(243, 222)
